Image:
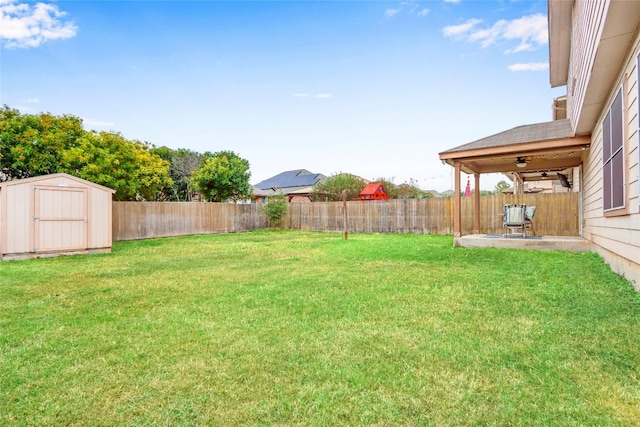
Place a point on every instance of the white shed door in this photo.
(60, 218)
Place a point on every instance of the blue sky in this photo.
(373, 88)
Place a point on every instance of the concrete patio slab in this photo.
(543, 243)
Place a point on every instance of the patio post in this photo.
(457, 215)
(476, 205)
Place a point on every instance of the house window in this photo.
(613, 156)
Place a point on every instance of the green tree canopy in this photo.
(223, 176)
(182, 164)
(410, 190)
(33, 145)
(406, 190)
(390, 187)
(276, 209)
(502, 185)
(109, 159)
(331, 188)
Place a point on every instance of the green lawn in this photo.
(293, 328)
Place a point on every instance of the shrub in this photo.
(275, 209)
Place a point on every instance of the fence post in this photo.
(344, 213)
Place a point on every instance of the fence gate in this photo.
(60, 218)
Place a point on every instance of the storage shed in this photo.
(374, 191)
(52, 215)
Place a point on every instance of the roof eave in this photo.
(559, 18)
(522, 149)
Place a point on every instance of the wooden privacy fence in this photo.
(556, 215)
(144, 220)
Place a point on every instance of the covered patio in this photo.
(527, 153)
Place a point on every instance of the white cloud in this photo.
(532, 66)
(529, 31)
(458, 30)
(452, 1)
(323, 95)
(392, 12)
(23, 25)
(489, 36)
(410, 7)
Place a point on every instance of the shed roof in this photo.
(54, 176)
(372, 188)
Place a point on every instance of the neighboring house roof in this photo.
(294, 178)
(299, 181)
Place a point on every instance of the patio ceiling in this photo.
(544, 147)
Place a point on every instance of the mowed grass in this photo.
(293, 328)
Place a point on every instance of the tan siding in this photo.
(19, 219)
(61, 218)
(632, 131)
(588, 21)
(592, 179)
(620, 235)
(60, 202)
(100, 229)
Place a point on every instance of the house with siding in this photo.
(594, 51)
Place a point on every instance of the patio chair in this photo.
(528, 219)
(514, 219)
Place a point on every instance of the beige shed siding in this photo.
(588, 18)
(17, 223)
(618, 237)
(54, 213)
(60, 218)
(100, 228)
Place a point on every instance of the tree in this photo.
(182, 164)
(223, 176)
(410, 190)
(502, 185)
(406, 190)
(32, 145)
(128, 167)
(276, 209)
(390, 187)
(331, 188)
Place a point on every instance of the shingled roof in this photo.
(557, 129)
(288, 179)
